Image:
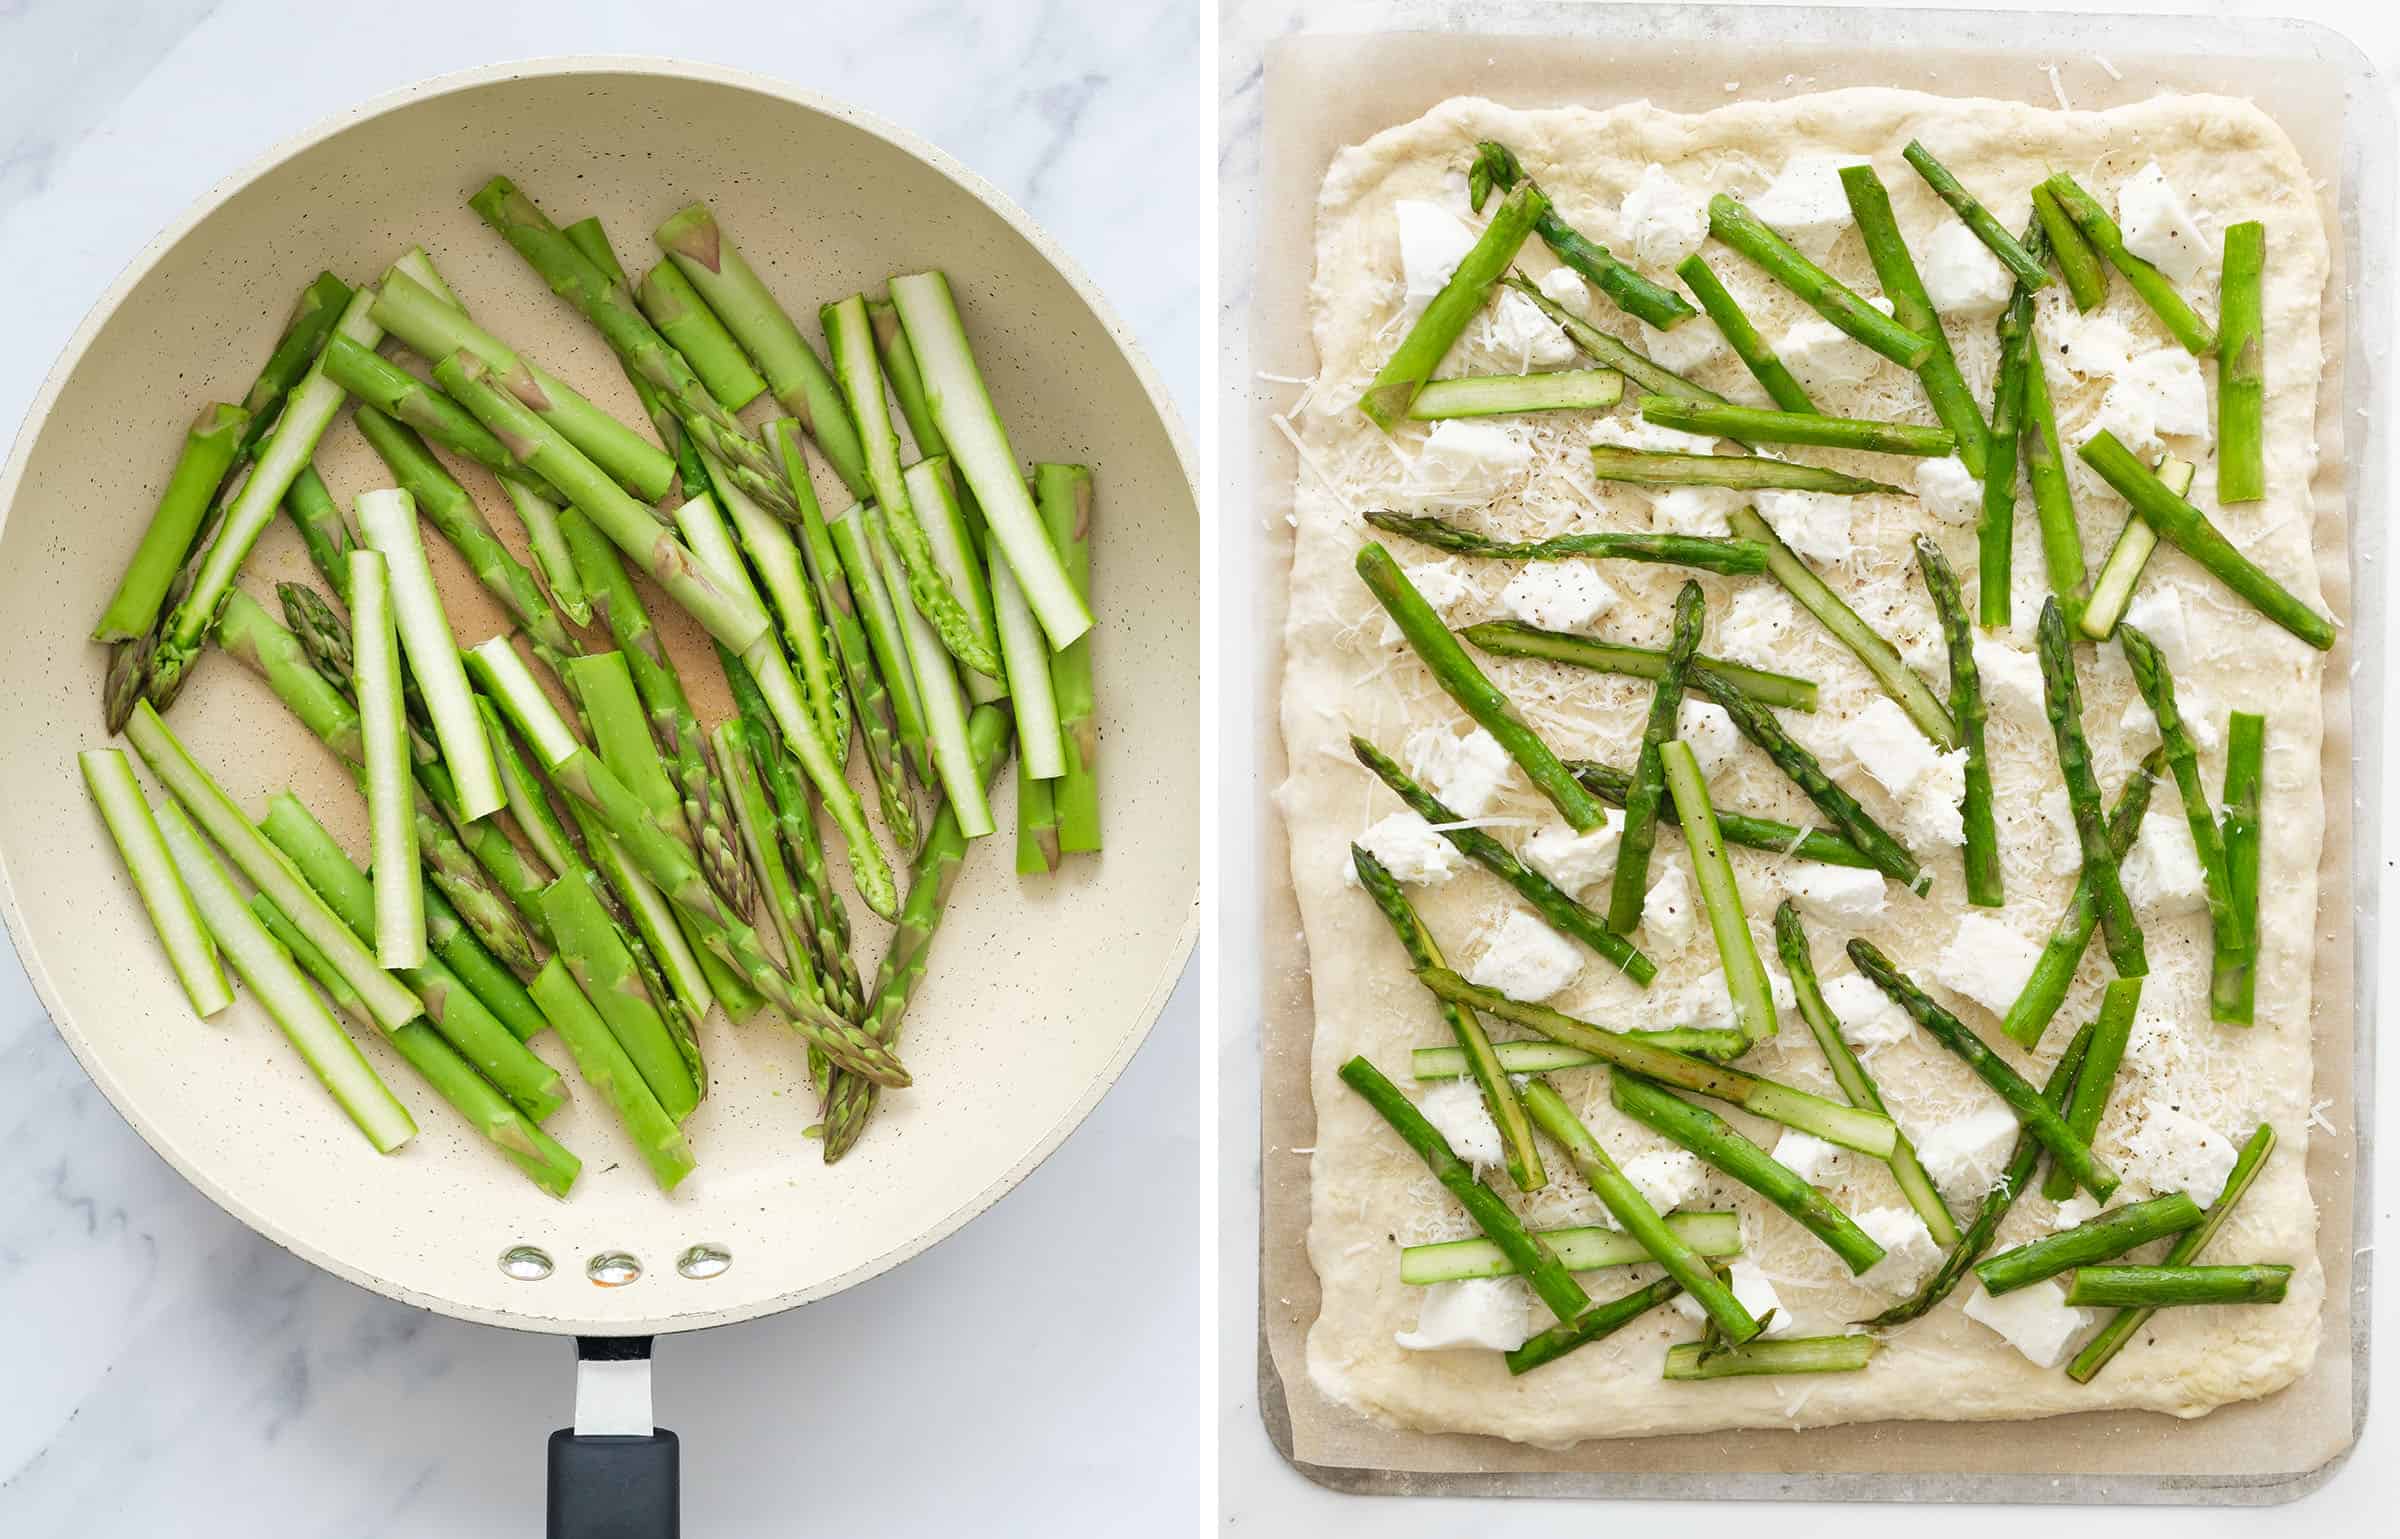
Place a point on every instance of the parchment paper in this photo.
(1324, 92)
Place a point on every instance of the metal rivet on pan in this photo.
(612, 1269)
(525, 1263)
(704, 1261)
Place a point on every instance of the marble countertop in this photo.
(171, 1372)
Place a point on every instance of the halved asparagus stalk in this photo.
(2188, 529)
(1717, 1143)
(2037, 1115)
(2157, 687)
(2113, 589)
(1041, 748)
(108, 775)
(702, 252)
(826, 931)
(1984, 882)
(938, 689)
(1497, 166)
(2062, 697)
(1745, 975)
(1613, 785)
(1064, 493)
(1858, 1086)
(1996, 1203)
(1512, 638)
(845, 641)
(2046, 474)
(958, 557)
(1702, 552)
(1756, 424)
(2234, 980)
(2054, 971)
(2100, 1239)
(549, 545)
(1734, 224)
(1524, 1157)
(1996, 530)
(1747, 344)
(387, 521)
(906, 379)
(2078, 263)
(1629, 881)
(210, 445)
(1586, 1249)
(270, 973)
(775, 555)
(2112, 1337)
(604, 970)
(851, 534)
(2156, 289)
(2017, 258)
(399, 905)
(1478, 696)
(1498, 395)
(1673, 467)
(1430, 337)
(605, 1068)
(1692, 1360)
(2241, 366)
(1597, 1323)
(1852, 1128)
(1857, 825)
(2162, 1287)
(2111, 1029)
(1536, 1056)
(1953, 403)
(667, 297)
(1604, 349)
(1907, 689)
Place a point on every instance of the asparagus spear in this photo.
(448, 937)
(1037, 824)
(730, 746)
(1499, 395)
(667, 297)
(1984, 884)
(190, 949)
(210, 445)
(958, 559)
(2234, 981)
(2111, 1234)
(391, 794)
(1524, 1157)
(2103, 1055)
(1602, 348)
(1995, 532)
(938, 689)
(1497, 166)
(387, 521)
(2189, 530)
(2112, 590)
(1602, 1320)
(1673, 467)
(1511, 638)
(2017, 258)
(2159, 1287)
(269, 972)
(1701, 552)
(2186, 1250)
(2039, 1116)
(1858, 1086)
(849, 1098)
(1064, 493)
(589, 237)
(853, 541)
(2241, 367)
(798, 378)
(1756, 424)
(604, 970)
(1996, 1203)
(1692, 1360)
(906, 379)
(1852, 1128)
(2046, 473)
(1857, 825)
(1535, 1056)
(549, 545)
(377, 382)
(1746, 978)
(2078, 263)
(2063, 698)
(2156, 289)
(2046, 987)
(1589, 1248)
(2157, 686)
(1881, 658)
(775, 555)
(1953, 403)
(605, 1068)
(602, 684)
(1732, 223)
(1430, 337)
(1041, 749)
(1613, 785)
(1629, 882)
(1477, 695)
(1743, 337)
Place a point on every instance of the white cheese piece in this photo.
(1661, 221)
(2162, 873)
(1670, 917)
(2156, 1047)
(1805, 204)
(2195, 705)
(1456, 1110)
(1466, 773)
(1683, 348)
(2174, 1151)
(1949, 491)
(1432, 241)
(1986, 961)
(2130, 417)
(1517, 330)
(2158, 225)
(1409, 849)
(2092, 346)
(1706, 1002)
(1824, 359)
(1837, 895)
(1933, 817)
(1965, 1155)
(1812, 523)
(1710, 733)
(1439, 583)
(2065, 853)
(1909, 1253)
(1667, 1178)
(1462, 458)
(1564, 286)
(1637, 432)
(1887, 745)
(2176, 391)
(1756, 1293)
(1571, 860)
(2075, 1212)
(1491, 1314)
(2012, 680)
(1558, 595)
(1866, 1014)
(1805, 1155)
(1962, 277)
(2157, 611)
(1692, 509)
(2033, 1319)
(1524, 958)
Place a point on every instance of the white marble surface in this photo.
(171, 1373)
(1258, 1493)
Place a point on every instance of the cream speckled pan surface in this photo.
(1040, 990)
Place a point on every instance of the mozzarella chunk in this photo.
(1758, 626)
(1662, 221)
(1524, 958)
(2092, 346)
(1456, 1110)
(1571, 860)
(2012, 679)
(1823, 357)
(1667, 1178)
(1986, 961)
(1558, 595)
(1464, 458)
(1949, 491)
(1692, 509)
(2177, 391)
(1887, 745)
(2158, 225)
(2157, 611)
(1467, 773)
(1669, 916)
(2162, 872)
(1432, 242)
(1962, 277)
(2075, 1212)
(1710, 733)
(1805, 1155)
(1408, 848)
(1439, 583)
(1837, 895)
(1685, 347)
(1812, 523)
(1517, 330)
(1965, 1155)
(1866, 1014)
(1751, 1286)
(1909, 1253)
(1490, 1314)
(2174, 1151)
(1564, 286)
(2034, 1319)
(1636, 432)
(1805, 204)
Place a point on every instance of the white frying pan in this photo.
(1041, 988)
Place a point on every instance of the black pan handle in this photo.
(608, 1478)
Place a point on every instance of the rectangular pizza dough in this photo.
(1347, 672)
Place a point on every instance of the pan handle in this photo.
(613, 1475)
